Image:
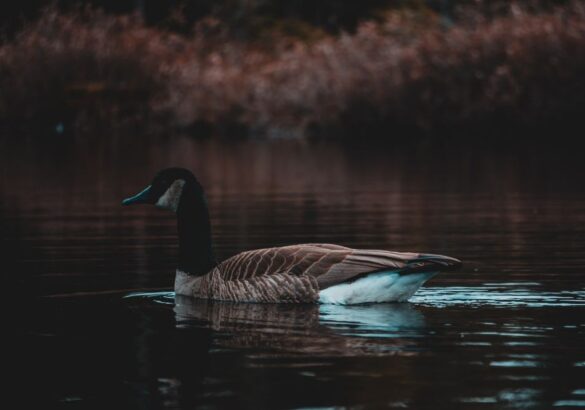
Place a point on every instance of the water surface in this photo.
(88, 283)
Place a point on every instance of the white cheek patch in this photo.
(170, 199)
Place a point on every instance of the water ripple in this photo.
(527, 295)
(506, 295)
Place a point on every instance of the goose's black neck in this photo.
(195, 247)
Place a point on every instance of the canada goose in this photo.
(305, 273)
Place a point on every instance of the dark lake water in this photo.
(92, 322)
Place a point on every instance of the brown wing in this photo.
(327, 264)
(297, 273)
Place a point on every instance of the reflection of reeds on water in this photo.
(384, 329)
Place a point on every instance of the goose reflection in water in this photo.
(378, 329)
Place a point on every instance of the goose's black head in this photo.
(166, 189)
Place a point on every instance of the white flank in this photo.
(378, 287)
(170, 199)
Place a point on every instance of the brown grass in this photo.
(408, 74)
(79, 65)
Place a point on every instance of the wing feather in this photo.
(328, 264)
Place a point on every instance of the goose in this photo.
(303, 273)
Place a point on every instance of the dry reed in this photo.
(522, 69)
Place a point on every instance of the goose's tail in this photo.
(389, 285)
(431, 263)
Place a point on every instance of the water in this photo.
(92, 321)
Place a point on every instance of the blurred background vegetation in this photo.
(373, 69)
(249, 18)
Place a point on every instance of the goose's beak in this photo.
(142, 197)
